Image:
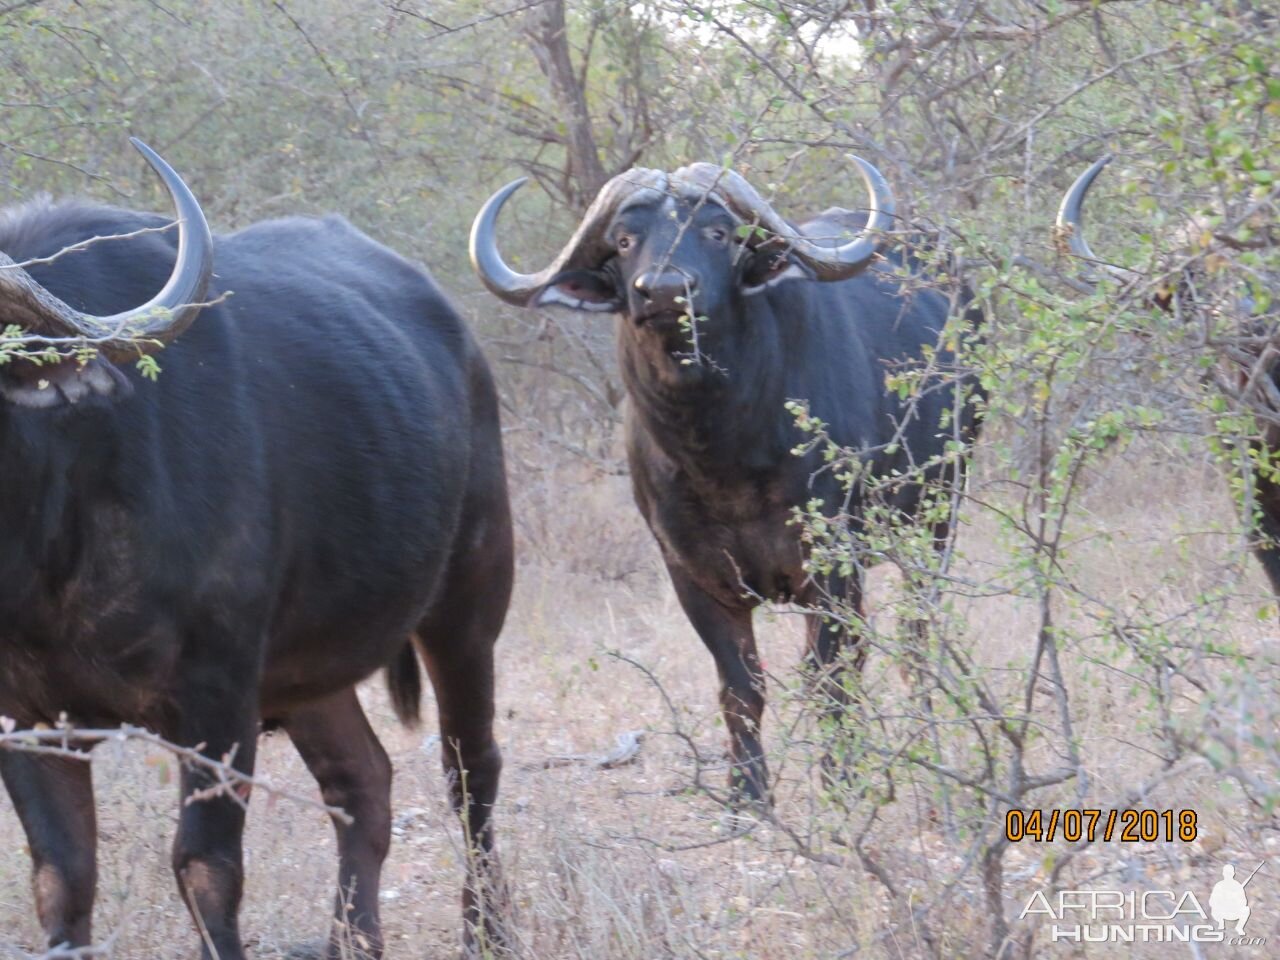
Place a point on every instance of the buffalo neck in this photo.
(723, 414)
(43, 455)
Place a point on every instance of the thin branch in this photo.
(68, 743)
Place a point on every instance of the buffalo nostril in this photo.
(665, 290)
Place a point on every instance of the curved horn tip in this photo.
(488, 215)
(511, 188)
(1068, 227)
(193, 268)
(515, 288)
(188, 206)
(864, 164)
(882, 201)
(160, 165)
(141, 146)
(165, 315)
(1095, 168)
(1069, 211)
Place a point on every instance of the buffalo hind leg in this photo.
(834, 646)
(728, 634)
(456, 641)
(208, 848)
(353, 771)
(461, 671)
(1267, 528)
(916, 664)
(54, 800)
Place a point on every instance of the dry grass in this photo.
(628, 863)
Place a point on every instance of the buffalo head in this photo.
(54, 328)
(660, 247)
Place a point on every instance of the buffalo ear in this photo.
(590, 290)
(763, 268)
(65, 383)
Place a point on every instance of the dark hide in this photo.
(709, 438)
(315, 478)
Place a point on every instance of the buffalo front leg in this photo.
(353, 771)
(728, 634)
(208, 848)
(54, 800)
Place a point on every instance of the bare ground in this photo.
(631, 862)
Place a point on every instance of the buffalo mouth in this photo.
(663, 319)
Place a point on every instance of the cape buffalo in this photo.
(726, 312)
(310, 490)
(1265, 489)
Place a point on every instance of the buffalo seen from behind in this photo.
(727, 312)
(312, 490)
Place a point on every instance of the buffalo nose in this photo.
(666, 289)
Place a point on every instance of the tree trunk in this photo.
(549, 41)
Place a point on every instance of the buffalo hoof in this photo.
(493, 944)
(748, 791)
(488, 921)
(741, 822)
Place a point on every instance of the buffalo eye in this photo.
(718, 234)
(624, 243)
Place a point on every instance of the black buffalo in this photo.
(726, 312)
(1265, 522)
(311, 490)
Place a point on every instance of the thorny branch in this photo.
(72, 743)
